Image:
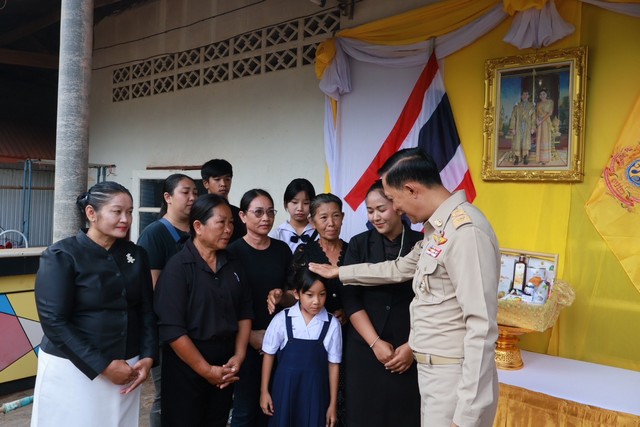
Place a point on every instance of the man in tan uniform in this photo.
(455, 272)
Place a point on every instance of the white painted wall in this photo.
(270, 126)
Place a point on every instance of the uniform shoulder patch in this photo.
(459, 218)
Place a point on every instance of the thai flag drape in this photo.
(426, 121)
(353, 148)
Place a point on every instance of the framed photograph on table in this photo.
(534, 116)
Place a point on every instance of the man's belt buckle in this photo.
(432, 359)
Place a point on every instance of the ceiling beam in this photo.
(28, 59)
(29, 28)
(43, 22)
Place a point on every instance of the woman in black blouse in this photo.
(325, 213)
(94, 298)
(204, 317)
(380, 372)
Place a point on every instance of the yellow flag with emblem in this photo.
(614, 206)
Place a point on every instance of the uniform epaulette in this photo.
(459, 218)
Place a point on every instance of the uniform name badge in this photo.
(433, 251)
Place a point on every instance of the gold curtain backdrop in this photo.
(525, 408)
(513, 6)
(421, 24)
(545, 217)
(410, 27)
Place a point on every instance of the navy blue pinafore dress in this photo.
(300, 388)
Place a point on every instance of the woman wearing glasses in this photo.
(266, 262)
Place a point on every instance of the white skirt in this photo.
(64, 396)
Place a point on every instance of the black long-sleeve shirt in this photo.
(96, 305)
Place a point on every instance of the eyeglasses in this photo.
(259, 213)
(304, 238)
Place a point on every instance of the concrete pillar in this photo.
(72, 133)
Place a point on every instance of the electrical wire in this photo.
(118, 64)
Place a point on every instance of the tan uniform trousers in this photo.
(439, 396)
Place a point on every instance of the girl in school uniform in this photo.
(297, 230)
(308, 343)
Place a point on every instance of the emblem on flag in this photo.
(622, 175)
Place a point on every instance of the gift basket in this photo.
(536, 317)
(529, 300)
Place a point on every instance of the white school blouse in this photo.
(276, 336)
(285, 231)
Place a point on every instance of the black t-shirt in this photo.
(191, 299)
(265, 270)
(159, 244)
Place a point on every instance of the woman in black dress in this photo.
(380, 372)
(265, 261)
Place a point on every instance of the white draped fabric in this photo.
(330, 148)
(336, 80)
(538, 28)
(530, 28)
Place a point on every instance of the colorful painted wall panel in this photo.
(20, 334)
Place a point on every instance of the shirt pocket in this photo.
(430, 286)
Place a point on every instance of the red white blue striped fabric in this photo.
(426, 121)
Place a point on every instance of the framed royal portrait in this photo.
(534, 116)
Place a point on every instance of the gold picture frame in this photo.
(534, 116)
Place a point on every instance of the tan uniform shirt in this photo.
(455, 272)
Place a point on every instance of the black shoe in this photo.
(516, 161)
(525, 160)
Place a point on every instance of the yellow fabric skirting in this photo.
(525, 408)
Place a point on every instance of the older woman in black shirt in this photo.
(94, 298)
(204, 317)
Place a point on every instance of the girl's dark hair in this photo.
(169, 186)
(322, 199)
(305, 278)
(296, 186)
(203, 208)
(248, 197)
(99, 195)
